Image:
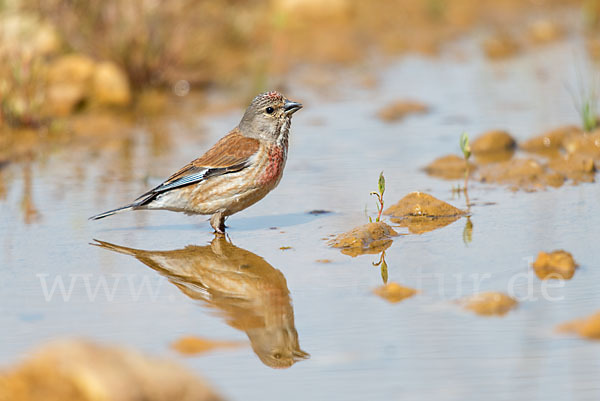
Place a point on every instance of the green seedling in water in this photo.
(379, 195)
(589, 114)
(465, 146)
(585, 100)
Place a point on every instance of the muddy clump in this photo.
(587, 144)
(493, 141)
(587, 327)
(549, 143)
(394, 292)
(489, 303)
(370, 238)
(555, 265)
(449, 167)
(421, 212)
(84, 371)
(526, 174)
(399, 109)
(576, 167)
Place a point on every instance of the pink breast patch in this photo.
(274, 165)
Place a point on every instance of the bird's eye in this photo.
(277, 355)
(270, 110)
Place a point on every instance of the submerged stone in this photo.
(369, 238)
(394, 292)
(489, 303)
(555, 265)
(399, 109)
(527, 174)
(587, 327)
(450, 167)
(493, 141)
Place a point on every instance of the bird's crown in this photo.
(267, 98)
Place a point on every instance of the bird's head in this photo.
(268, 117)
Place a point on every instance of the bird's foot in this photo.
(217, 221)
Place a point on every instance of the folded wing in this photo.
(232, 153)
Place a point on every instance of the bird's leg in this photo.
(217, 221)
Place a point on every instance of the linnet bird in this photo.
(238, 171)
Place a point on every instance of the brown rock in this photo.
(69, 80)
(421, 212)
(576, 167)
(420, 204)
(555, 265)
(398, 110)
(394, 292)
(500, 46)
(369, 238)
(493, 141)
(551, 140)
(110, 85)
(72, 68)
(449, 167)
(587, 144)
(588, 327)
(84, 371)
(489, 303)
(525, 174)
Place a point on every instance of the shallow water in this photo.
(360, 347)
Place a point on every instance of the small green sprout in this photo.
(379, 195)
(465, 146)
(589, 114)
(586, 97)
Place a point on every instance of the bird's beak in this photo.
(291, 107)
(300, 355)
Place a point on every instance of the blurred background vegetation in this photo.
(59, 57)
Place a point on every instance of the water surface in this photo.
(360, 347)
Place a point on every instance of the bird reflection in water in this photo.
(249, 293)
